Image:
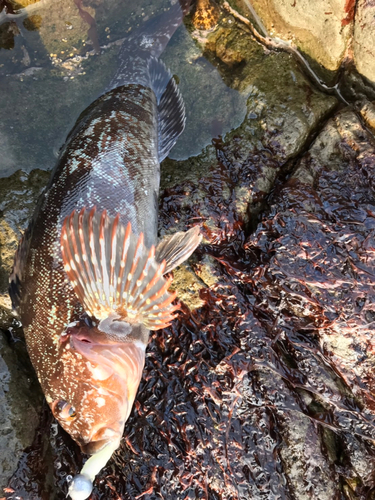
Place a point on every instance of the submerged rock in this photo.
(54, 55)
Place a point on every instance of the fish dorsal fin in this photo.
(176, 248)
(171, 108)
(111, 270)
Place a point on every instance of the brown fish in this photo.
(88, 279)
(206, 15)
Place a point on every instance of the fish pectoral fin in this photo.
(176, 248)
(111, 270)
(171, 108)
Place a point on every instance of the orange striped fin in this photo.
(111, 270)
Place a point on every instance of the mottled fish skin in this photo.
(206, 15)
(111, 161)
(101, 167)
(148, 41)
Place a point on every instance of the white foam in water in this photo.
(81, 486)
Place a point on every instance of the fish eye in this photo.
(87, 320)
(63, 410)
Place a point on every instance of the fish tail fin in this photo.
(148, 41)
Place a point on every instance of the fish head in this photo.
(101, 375)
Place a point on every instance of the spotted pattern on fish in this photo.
(90, 367)
(111, 161)
(147, 41)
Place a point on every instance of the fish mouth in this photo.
(94, 447)
(99, 440)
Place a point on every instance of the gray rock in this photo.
(20, 400)
(18, 197)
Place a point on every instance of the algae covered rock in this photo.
(260, 97)
(317, 286)
(18, 196)
(241, 164)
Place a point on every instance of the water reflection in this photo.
(70, 50)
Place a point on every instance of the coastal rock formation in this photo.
(263, 387)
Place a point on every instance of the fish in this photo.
(90, 278)
(206, 15)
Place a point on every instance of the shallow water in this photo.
(264, 388)
(50, 49)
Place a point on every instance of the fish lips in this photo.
(101, 438)
(94, 446)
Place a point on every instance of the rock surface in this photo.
(364, 39)
(18, 197)
(242, 90)
(20, 400)
(320, 29)
(331, 34)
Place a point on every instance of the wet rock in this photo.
(237, 94)
(317, 290)
(321, 29)
(364, 39)
(18, 197)
(20, 396)
(349, 281)
(188, 286)
(368, 114)
(335, 147)
(281, 112)
(311, 473)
